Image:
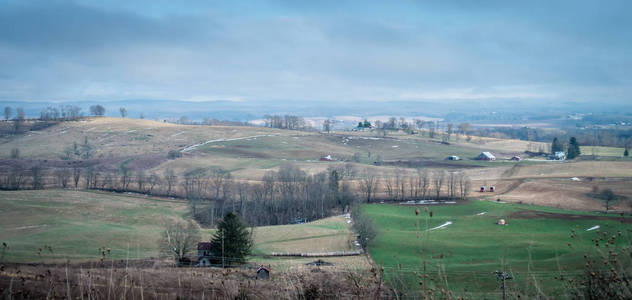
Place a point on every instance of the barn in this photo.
(486, 156)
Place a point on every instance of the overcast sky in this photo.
(330, 50)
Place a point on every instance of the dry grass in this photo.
(160, 282)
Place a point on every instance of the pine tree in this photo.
(573, 148)
(625, 152)
(232, 242)
(556, 146)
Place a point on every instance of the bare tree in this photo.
(170, 178)
(179, 240)
(368, 184)
(76, 175)
(63, 177)
(140, 180)
(424, 182)
(15, 178)
(464, 185)
(327, 124)
(123, 112)
(152, 181)
(438, 179)
(97, 110)
(36, 177)
(125, 176)
(218, 176)
(7, 112)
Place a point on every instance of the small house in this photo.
(558, 155)
(516, 158)
(263, 273)
(453, 157)
(486, 156)
(326, 158)
(204, 254)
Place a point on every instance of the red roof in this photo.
(204, 246)
(263, 268)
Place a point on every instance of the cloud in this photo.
(347, 51)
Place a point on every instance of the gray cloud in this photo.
(319, 51)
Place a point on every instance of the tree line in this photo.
(289, 195)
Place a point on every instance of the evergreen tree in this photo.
(367, 124)
(232, 242)
(360, 125)
(556, 146)
(625, 152)
(573, 148)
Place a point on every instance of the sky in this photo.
(349, 51)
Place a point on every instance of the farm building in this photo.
(453, 157)
(486, 156)
(204, 254)
(558, 155)
(263, 273)
(516, 158)
(326, 158)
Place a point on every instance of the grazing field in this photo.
(535, 246)
(602, 151)
(75, 224)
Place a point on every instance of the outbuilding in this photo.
(326, 158)
(204, 254)
(263, 273)
(486, 156)
(453, 157)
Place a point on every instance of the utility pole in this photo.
(223, 249)
(502, 276)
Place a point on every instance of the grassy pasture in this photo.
(76, 223)
(602, 151)
(533, 246)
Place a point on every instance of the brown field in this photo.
(155, 280)
(249, 152)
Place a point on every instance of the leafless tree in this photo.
(76, 175)
(464, 185)
(125, 174)
(63, 177)
(36, 177)
(179, 240)
(452, 184)
(327, 125)
(7, 112)
(97, 110)
(438, 179)
(170, 179)
(140, 180)
(218, 176)
(15, 178)
(153, 180)
(123, 112)
(368, 184)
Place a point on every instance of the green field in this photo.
(602, 151)
(77, 223)
(462, 256)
